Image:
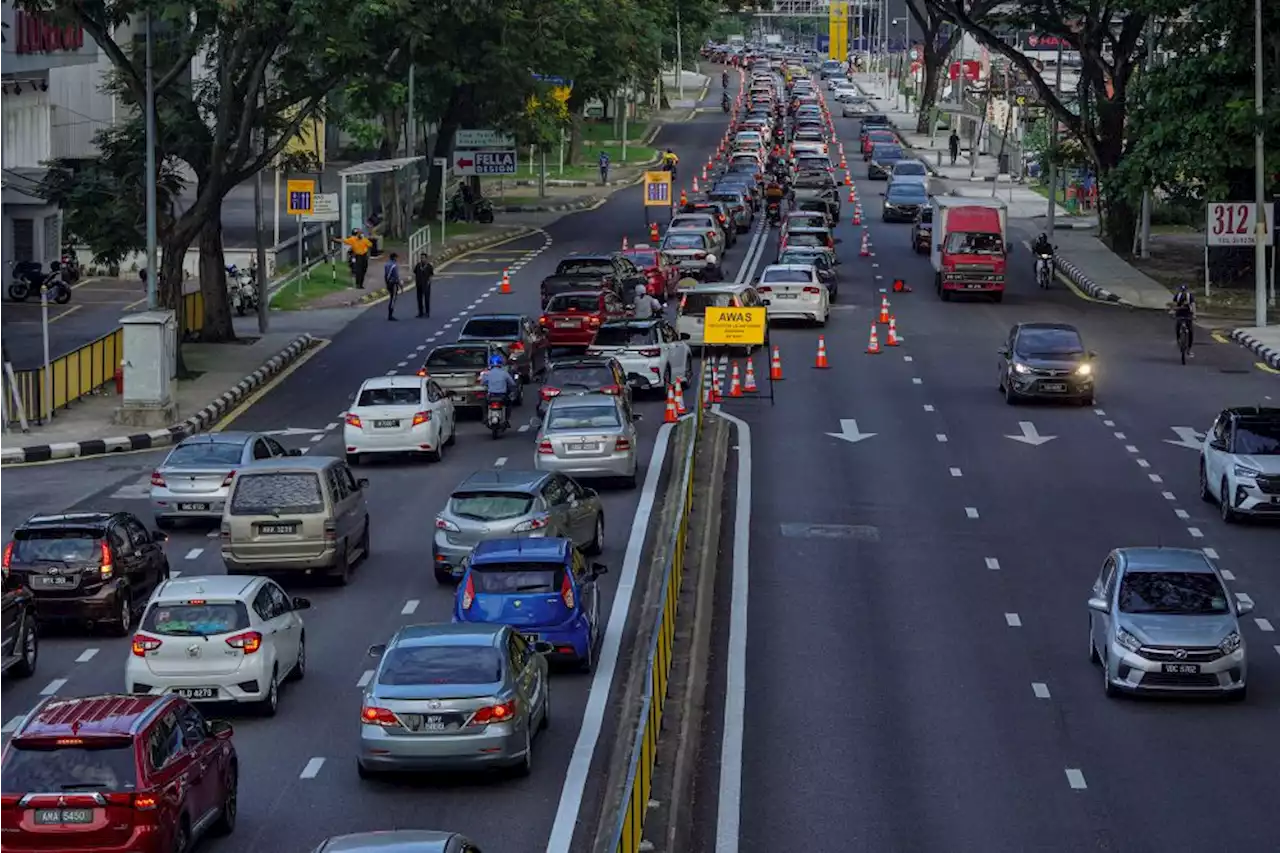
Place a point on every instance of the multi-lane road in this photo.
(905, 616)
(298, 774)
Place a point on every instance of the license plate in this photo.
(197, 692)
(53, 580)
(433, 723)
(46, 817)
(1182, 668)
(582, 445)
(787, 296)
(566, 324)
(277, 529)
(386, 424)
(193, 507)
(1053, 386)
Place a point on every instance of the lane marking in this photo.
(575, 780)
(1264, 625)
(312, 769)
(1075, 779)
(1142, 463)
(1120, 436)
(1168, 496)
(928, 408)
(1013, 620)
(365, 678)
(330, 427)
(523, 428)
(500, 461)
(907, 358)
(916, 380)
(1211, 553)
(942, 438)
(955, 472)
(316, 438)
(993, 564)
(970, 511)
(86, 655)
(1040, 689)
(1195, 532)
(1228, 575)
(12, 724)
(1243, 598)
(1099, 412)
(1109, 423)
(402, 363)
(1182, 514)
(1129, 447)
(1155, 478)
(53, 687)
(193, 553)
(410, 607)
(212, 534)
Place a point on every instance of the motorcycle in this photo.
(1044, 270)
(29, 277)
(495, 416)
(456, 211)
(774, 212)
(242, 286)
(724, 105)
(70, 267)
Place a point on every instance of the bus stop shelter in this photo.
(363, 188)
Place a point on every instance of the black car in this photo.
(882, 159)
(600, 374)
(21, 641)
(94, 568)
(519, 337)
(1046, 361)
(922, 231)
(903, 200)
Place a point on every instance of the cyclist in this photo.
(1184, 312)
(499, 384)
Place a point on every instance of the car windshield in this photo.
(406, 665)
(1257, 438)
(458, 358)
(195, 620)
(812, 182)
(685, 241)
(643, 257)
(806, 240)
(886, 152)
(625, 336)
(56, 546)
(215, 454)
(1049, 342)
(817, 221)
(566, 302)
(960, 243)
(1172, 592)
(696, 303)
(910, 169)
(277, 492)
(510, 578)
(491, 328)
(813, 259)
(910, 193)
(786, 277)
(389, 397)
(813, 163)
(579, 378)
(584, 267)
(29, 769)
(604, 416)
(727, 198)
(490, 506)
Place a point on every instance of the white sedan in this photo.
(794, 292)
(400, 414)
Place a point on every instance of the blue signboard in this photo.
(822, 43)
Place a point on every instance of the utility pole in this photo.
(1145, 247)
(153, 270)
(1053, 143)
(410, 130)
(679, 57)
(1262, 226)
(264, 298)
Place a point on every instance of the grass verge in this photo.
(319, 281)
(595, 133)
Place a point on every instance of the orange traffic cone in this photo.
(891, 340)
(848, 179)
(653, 232)
(506, 281)
(857, 215)
(670, 416)
(684, 198)
(873, 346)
(695, 183)
(852, 196)
(775, 366)
(750, 384)
(735, 383)
(624, 243)
(884, 310)
(865, 250)
(821, 361)
(843, 164)
(681, 408)
(704, 173)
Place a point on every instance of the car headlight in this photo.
(1084, 370)
(1248, 473)
(1230, 643)
(1127, 640)
(1021, 368)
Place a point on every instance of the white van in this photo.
(695, 301)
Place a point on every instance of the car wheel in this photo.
(164, 522)
(445, 578)
(123, 622)
(353, 458)
(596, 545)
(588, 663)
(340, 574)
(25, 666)
(1206, 494)
(525, 767)
(546, 706)
(365, 550)
(437, 455)
(1093, 650)
(1224, 503)
(182, 837)
(1010, 396)
(1108, 688)
(226, 822)
(299, 670)
(270, 704)
(453, 431)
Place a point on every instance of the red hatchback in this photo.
(117, 774)
(662, 272)
(877, 137)
(572, 319)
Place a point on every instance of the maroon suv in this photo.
(117, 774)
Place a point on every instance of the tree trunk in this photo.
(577, 100)
(933, 62)
(393, 220)
(213, 282)
(450, 121)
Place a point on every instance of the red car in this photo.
(117, 774)
(877, 137)
(661, 271)
(571, 319)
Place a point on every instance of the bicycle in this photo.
(1183, 334)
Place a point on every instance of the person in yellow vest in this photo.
(358, 247)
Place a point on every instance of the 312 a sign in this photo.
(1234, 223)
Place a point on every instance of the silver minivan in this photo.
(303, 514)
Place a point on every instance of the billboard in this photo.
(838, 30)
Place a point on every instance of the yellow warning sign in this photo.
(734, 326)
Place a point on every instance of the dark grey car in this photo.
(1047, 361)
(399, 841)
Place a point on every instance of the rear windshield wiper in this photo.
(534, 587)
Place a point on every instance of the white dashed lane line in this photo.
(941, 437)
(330, 427)
(1040, 689)
(1155, 478)
(319, 437)
(1013, 620)
(1195, 532)
(916, 380)
(312, 770)
(11, 725)
(1168, 496)
(87, 655)
(410, 607)
(955, 472)
(500, 461)
(365, 678)
(1264, 625)
(993, 564)
(971, 512)
(1182, 514)
(1228, 575)
(194, 552)
(1142, 463)
(53, 687)
(1210, 553)
(1075, 779)
(928, 408)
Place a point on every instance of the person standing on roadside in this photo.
(358, 247)
(391, 276)
(468, 200)
(954, 144)
(604, 167)
(422, 273)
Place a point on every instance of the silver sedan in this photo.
(593, 435)
(194, 480)
(454, 697)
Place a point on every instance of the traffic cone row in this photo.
(735, 383)
(857, 214)
(681, 408)
(695, 184)
(506, 281)
(750, 384)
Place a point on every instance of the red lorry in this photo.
(970, 247)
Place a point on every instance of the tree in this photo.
(225, 74)
(938, 40)
(1109, 40)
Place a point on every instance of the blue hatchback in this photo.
(543, 588)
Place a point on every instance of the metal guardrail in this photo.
(629, 830)
(83, 370)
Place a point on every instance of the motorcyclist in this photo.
(774, 193)
(670, 161)
(724, 102)
(646, 306)
(1184, 313)
(499, 384)
(724, 81)
(1042, 249)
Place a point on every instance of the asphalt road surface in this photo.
(298, 775)
(912, 640)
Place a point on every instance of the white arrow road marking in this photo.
(1030, 435)
(1188, 437)
(849, 431)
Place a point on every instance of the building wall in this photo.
(82, 107)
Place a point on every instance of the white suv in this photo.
(1240, 462)
(794, 292)
(651, 353)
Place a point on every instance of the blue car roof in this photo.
(516, 550)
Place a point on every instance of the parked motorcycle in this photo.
(495, 417)
(456, 211)
(242, 287)
(29, 277)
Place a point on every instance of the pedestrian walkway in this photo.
(1263, 342)
(1093, 266)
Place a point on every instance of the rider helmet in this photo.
(495, 360)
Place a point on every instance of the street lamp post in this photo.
(1259, 179)
(153, 271)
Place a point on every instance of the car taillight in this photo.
(354, 420)
(652, 352)
(8, 557)
(542, 321)
(421, 418)
(611, 389)
(545, 448)
(373, 716)
(157, 479)
(145, 802)
(622, 444)
(594, 321)
(445, 524)
(539, 523)
(811, 290)
(494, 714)
(496, 404)
(566, 591)
(226, 481)
(548, 392)
(422, 371)
(699, 256)
(143, 644)
(330, 530)
(468, 593)
(106, 567)
(764, 288)
(247, 642)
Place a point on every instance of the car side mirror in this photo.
(300, 603)
(1218, 444)
(1244, 608)
(1004, 351)
(293, 452)
(158, 537)
(377, 650)
(220, 729)
(685, 336)
(599, 568)
(1100, 605)
(542, 647)
(363, 482)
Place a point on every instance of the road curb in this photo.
(199, 422)
(576, 204)
(377, 293)
(1082, 281)
(1269, 355)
